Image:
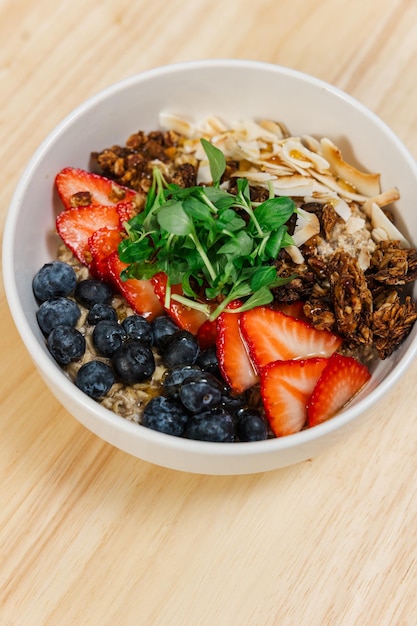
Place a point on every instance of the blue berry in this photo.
(163, 328)
(165, 416)
(173, 379)
(213, 425)
(233, 402)
(57, 311)
(66, 344)
(137, 327)
(207, 360)
(95, 378)
(91, 290)
(133, 362)
(108, 336)
(101, 311)
(251, 426)
(200, 393)
(182, 349)
(54, 279)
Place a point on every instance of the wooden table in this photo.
(90, 535)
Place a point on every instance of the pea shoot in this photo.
(218, 245)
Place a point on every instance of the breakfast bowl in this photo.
(184, 95)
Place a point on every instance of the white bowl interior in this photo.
(233, 90)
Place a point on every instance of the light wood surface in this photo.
(92, 536)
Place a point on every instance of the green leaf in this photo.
(243, 191)
(186, 285)
(274, 243)
(216, 159)
(274, 212)
(219, 197)
(264, 275)
(240, 245)
(229, 220)
(260, 298)
(174, 219)
(197, 210)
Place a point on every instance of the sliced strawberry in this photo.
(77, 187)
(186, 318)
(207, 334)
(293, 309)
(342, 379)
(126, 211)
(286, 387)
(75, 227)
(234, 361)
(272, 336)
(139, 294)
(102, 243)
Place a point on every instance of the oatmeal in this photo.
(221, 231)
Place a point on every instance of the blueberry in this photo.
(137, 327)
(54, 279)
(173, 379)
(95, 378)
(91, 290)
(163, 328)
(66, 344)
(57, 311)
(107, 336)
(233, 402)
(251, 425)
(182, 349)
(133, 362)
(200, 393)
(101, 311)
(165, 416)
(207, 360)
(213, 425)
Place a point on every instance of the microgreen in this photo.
(218, 245)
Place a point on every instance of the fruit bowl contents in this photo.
(105, 232)
(224, 284)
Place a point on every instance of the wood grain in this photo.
(90, 535)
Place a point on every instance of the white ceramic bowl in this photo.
(234, 90)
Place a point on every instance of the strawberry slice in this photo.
(207, 334)
(126, 210)
(234, 361)
(77, 187)
(272, 336)
(139, 294)
(286, 387)
(293, 309)
(185, 317)
(342, 379)
(102, 243)
(75, 227)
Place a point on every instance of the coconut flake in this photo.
(297, 155)
(178, 124)
(307, 226)
(366, 183)
(380, 222)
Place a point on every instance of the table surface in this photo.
(90, 535)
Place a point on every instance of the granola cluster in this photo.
(131, 165)
(369, 308)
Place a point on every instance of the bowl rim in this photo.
(63, 383)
